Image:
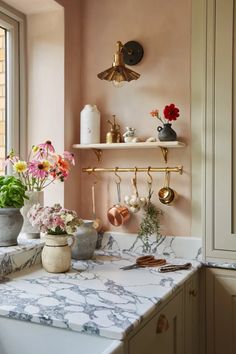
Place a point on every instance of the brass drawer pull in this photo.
(193, 293)
(162, 324)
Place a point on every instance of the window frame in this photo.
(15, 23)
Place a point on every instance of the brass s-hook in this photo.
(150, 180)
(135, 173)
(116, 174)
(97, 179)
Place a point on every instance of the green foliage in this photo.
(150, 223)
(12, 192)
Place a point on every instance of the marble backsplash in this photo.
(28, 252)
(168, 246)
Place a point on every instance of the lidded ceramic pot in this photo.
(90, 125)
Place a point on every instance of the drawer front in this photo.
(163, 333)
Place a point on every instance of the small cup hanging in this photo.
(166, 194)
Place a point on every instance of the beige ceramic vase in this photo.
(35, 197)
(56, 254)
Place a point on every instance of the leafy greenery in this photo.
(150, 224)
(12, 192)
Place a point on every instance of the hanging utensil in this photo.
(97, 224)
(134, 202)
(149, 182)
(166, 194)
(118, 214)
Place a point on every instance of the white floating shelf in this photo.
(143, 145)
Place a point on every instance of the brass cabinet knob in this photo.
(193, 293)
(162, 324)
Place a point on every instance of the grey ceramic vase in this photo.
(85, 241)
(11, 222)
(166, 133)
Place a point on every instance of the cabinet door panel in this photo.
(221, 311)
(164, 333)
(191, 314)
(220, 139)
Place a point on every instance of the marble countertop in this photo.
(24, 255)
(95, 297)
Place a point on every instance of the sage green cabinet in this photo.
(192, 315)
(220, 131)
(221, 311)
(164, 332)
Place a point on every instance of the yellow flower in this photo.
(45, 165)
(20, 166)
(35, 148)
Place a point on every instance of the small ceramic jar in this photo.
(85, 239)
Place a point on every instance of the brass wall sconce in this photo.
(130, 53)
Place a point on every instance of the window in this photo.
(2, 97)
(12, 121)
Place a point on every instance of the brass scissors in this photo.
(145, 261)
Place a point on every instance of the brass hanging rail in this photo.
(178, 169)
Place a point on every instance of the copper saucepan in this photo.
(118, 214)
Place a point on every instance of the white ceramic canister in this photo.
(90, 125)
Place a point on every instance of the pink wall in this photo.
(72, 93)
(163, 28)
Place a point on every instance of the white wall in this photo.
(45, 56)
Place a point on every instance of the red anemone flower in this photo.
(171, 112)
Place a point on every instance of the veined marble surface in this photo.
(223, 265)
(167, 246)
(21, 256)
(96, 296)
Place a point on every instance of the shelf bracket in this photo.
(98, 153)
(164, 151)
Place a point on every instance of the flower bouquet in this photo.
(58, 224)
(43, 167)
(54, 220)
(166, 133)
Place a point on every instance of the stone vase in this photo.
(11, 222)
(166, 133)
(85, 241)
(56, 254)
(29, 231)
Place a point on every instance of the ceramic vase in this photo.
(35, 197)
(56, 254)
(90, 125)
(85, 241)
(11, 222)
(166, 133)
